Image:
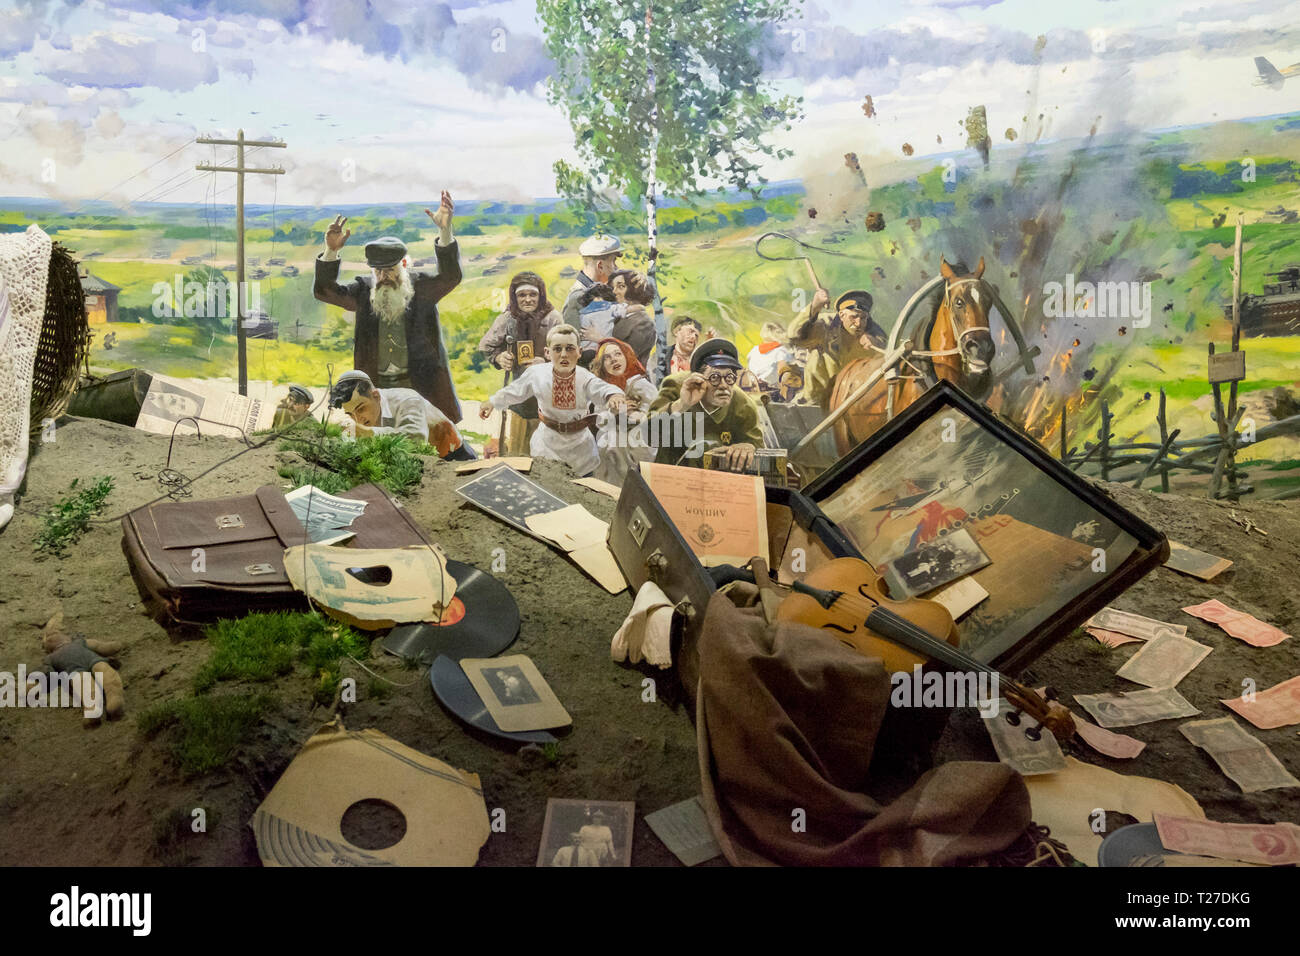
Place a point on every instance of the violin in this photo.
(846, 598)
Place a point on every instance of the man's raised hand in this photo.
(693, 388)
(442, 218)
(335, 236)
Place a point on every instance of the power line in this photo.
(131, 177)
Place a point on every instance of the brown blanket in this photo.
(787, 719)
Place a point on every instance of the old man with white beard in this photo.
(398, 340)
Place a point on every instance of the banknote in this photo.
(1136, 707)
(1278, 706)
(1238, 623)
(1164, 661)
(1018, 751)
(1111, 638)
(1120, 746)
(1246, 760)
(1274, 844)
(1135, 625)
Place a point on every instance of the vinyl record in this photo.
(481, 621)
(458, 695)
(1137, 844)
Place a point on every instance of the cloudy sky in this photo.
(395, 101)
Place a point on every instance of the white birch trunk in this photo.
(651, 207)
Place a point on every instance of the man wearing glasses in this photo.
(707, 394)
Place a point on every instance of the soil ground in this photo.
(106, 795)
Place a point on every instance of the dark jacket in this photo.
(426, 353)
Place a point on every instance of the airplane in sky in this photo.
(1271, 76)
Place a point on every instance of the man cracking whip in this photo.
(398, 339)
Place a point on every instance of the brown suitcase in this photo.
(242, 540)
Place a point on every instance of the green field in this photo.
(1161, 208)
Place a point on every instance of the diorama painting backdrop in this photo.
(1073, 142)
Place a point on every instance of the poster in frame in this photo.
(1060, 549)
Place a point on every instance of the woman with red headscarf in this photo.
(616, 363)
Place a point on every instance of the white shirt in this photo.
(577, 449)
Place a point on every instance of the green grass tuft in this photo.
(206, 732)
(394, 462)
(262, 647)
(65, 523)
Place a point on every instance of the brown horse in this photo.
(960, 349)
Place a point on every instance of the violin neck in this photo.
(902, 631)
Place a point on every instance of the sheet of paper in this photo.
(1136, 707)
(1245, 759)
(1016, 750)
(1279, 706)
(518, 464)
(1066, 803)
(1238, 623)
(1273, 844)
(721, 515)
(1199, 564)
(684, 829)
(1164, 661)
(960, 596)
(602, 487)
(373, 588)
(1135, 625)
(582, 535)
(515, 693)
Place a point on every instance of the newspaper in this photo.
(218, 406)
(323, 514)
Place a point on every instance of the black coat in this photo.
(426, 352)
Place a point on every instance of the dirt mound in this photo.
(75, 796)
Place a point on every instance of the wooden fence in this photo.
(1135, 462)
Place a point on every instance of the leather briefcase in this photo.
(196, 561)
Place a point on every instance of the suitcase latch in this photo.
(229, 521)
(256, 569)
(656, 564)
(638, 526)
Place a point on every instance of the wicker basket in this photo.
(64, 341)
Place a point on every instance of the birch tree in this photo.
(665, 95)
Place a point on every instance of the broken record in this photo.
(458, 695)
(481, 621)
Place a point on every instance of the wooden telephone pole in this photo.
(239, 170)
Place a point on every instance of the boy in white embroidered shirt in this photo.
(567, 398)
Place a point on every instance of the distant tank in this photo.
(1277, 310)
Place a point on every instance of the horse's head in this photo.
(960, 334)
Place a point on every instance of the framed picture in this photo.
(504, 493)
(1057, 549)
(587, 833)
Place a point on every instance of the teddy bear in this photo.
(69, 654)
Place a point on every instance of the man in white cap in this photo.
(599, 259)
(397, 411)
